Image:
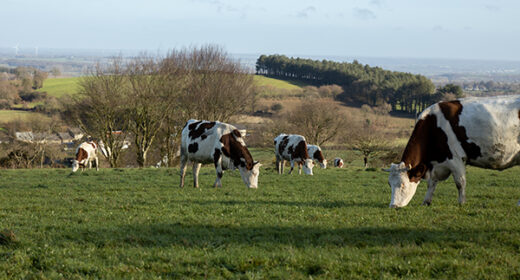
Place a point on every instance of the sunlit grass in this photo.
(131, 223)
(58, 87)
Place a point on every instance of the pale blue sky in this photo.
(473, 29)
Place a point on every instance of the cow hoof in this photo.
(427, 203)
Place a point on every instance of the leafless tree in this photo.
(218, 87)
(318, 120)
(99, 109)
(153, 95)
(368, 141)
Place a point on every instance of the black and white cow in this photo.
(86, 152)
(316, 155)
(292, 147)
(482, 132)
(218, 143)
(338, 162)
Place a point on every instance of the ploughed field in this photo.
(131, 223)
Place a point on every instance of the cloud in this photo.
(223, 7)
(306, 12)
(492, 8)
(364, 14)
(438, 28)
(377, 3)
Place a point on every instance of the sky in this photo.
(454, 29)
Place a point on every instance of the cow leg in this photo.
(299, 168)
(278, 166)
(218, 168)
(97, 163)
(196, 169)
(89, 164)
(184, 162)
(460, 182)
(292, 166)
(429, 193)
(282, 165)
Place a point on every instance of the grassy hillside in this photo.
(11, 115)
(58, 87)
(280, 84)
(135, 223)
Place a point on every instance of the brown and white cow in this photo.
(338, 162)
(482, 132)
(292, 147)
(85, 154)
(218, 143)
(315, 154)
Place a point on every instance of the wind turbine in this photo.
(16, 48)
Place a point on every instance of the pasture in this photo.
(58, 87)
(137, 223)
(13, 115)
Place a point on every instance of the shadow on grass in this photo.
(320, 204)
(211, 236)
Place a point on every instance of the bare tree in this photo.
(218, 87)
(318, 120)
(368, 141)
(99, 108)
(153, 95)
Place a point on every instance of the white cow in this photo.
(338, 162)
(292, 147)
(483, 132)
(218, 143)
(315, 154)
(85, 154)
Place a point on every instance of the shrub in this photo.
(277, 107)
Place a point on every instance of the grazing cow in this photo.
(316, 155)
(293, 148)
(218, 143)
(482, 132)
(338, 163)
(85, 154)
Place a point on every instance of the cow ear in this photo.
(417, 172)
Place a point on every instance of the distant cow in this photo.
(218, 143)
(292, 147)
(338, 163)
(483, 132)
(85, 154)
(316, 155)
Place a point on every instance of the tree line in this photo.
(361, 83)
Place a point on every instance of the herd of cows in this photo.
(483, 132)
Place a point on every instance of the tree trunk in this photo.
(141, 157)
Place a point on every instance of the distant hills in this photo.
(76, 60)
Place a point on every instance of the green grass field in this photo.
(12, 115)
(131, 223)
(280, 84)
(58, 87)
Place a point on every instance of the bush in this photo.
(277, 107)
(30, 96)
(5, 104)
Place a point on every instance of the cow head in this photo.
(308, 164)
(250, 177)
(323, 164)
(75, 165)
(402, 188)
